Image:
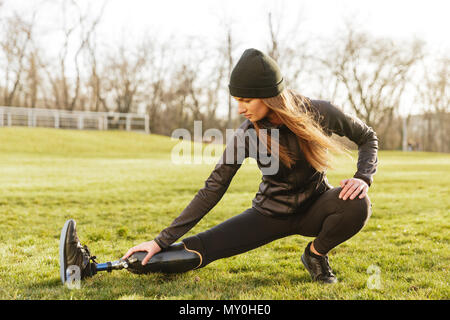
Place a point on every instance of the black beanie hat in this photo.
(256, 75)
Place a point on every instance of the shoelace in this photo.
(326, 266)
(91, 258)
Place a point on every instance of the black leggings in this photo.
(330, 219)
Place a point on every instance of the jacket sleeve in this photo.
(206, 198)
(335, 121)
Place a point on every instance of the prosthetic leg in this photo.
(77, 263)
(175, 259)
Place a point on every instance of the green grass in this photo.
(122, 189)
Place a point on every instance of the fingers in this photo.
(137, 248)
(343, 182)
(147, 257)
(352, 188)
(146, 246)
(346, 185)
(356, 191)
(129, 253)
(364, 192)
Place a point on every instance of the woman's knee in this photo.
(359, 209)
(366, 206)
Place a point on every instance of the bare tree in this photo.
(194, 86)
(204, 83)
(222, 71)
(86, 34)
(372, 73)
(77, 28)
(160, 61)
(434, 93)
(230, 45)
(125, 72)
(189, 84)
(95, 83)
(15, 48)
(287, 45)
(175, 99)
(212, 91)
(224, 54)
(32, 82)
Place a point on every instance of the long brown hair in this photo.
(295, 111)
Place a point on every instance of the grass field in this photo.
(122, 190)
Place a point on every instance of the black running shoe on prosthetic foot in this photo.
(72, 253)
(318, 266)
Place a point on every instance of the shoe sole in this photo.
(62, 251)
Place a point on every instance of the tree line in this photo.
(177, 82)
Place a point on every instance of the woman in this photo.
(296, 199)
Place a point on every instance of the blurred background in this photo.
(155, 66)
(120, 76)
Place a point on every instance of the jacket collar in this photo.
(265, 123)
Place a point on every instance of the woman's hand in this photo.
(151, 247)
(352, 187)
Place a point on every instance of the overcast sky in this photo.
(396, 18)
(131, 19)
(428, 19)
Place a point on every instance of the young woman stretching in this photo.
(296, 199)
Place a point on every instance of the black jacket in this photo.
(289, 190)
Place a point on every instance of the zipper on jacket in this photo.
(295, 202)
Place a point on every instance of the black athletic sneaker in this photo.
(72, 253)
(318, 266)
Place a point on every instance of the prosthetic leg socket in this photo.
(175, 259)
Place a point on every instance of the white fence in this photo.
(82, 120)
